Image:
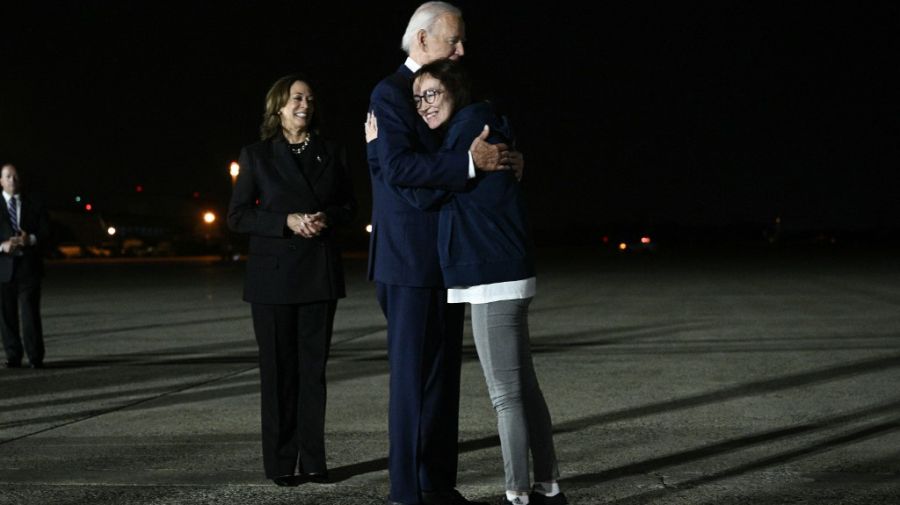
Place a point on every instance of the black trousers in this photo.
(294, 341)
(22, 292)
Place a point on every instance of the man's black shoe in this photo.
(317, 477)
(37, 365)
(12, 364)
(451, 497)
(287, 480)
(535, 498)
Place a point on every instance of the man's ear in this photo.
(421, 36)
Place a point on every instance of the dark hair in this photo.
(453, 76)
(276, 98)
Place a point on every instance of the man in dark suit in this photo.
(24, 229)
(424, 332)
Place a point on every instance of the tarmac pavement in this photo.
(753, 378)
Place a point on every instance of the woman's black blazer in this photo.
(284, 268)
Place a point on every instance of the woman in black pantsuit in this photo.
(293, 189)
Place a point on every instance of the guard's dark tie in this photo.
(14, 215)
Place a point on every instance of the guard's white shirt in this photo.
(32, 239)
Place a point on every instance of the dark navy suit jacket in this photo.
(34, 220)
(403, 243)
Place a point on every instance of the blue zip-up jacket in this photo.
(483, 233)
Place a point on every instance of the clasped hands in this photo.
(307, 225)
(14, 243)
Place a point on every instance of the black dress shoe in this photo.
(37, 365)
(317, 477)
(12, 364)
(535, 498)
(287, 480)
(451, 497)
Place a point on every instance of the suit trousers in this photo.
(424, 338)
(294, 342)
(22, 292)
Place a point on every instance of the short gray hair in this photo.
(424, 18)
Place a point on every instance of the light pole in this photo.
(234, 169)
(231, 252)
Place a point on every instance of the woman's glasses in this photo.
(429, 96)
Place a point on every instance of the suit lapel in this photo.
(287, 167)
(319, 159)
(24, 211)
(28, 218)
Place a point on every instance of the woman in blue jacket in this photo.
(486, 254)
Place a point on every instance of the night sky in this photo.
(713, 114)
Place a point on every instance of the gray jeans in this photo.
(501, 338)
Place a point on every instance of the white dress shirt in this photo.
(32, 239)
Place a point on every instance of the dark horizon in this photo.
(690, 116)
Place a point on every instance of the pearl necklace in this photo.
(302, 147)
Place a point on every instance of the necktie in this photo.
(14, 215)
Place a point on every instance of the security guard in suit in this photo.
(24, 230)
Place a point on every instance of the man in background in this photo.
(24, 230)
